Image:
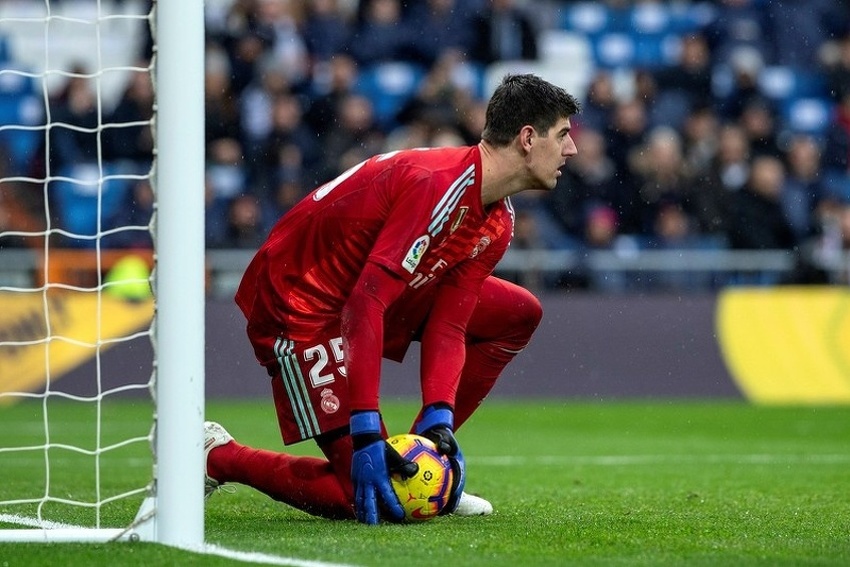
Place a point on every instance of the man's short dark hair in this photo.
(522, 100)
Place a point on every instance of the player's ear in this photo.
(526, 137)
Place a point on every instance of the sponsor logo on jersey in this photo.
(414, 255)
(461, 214)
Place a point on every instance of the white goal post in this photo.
(171, 501)
(180, 272)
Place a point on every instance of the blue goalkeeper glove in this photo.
(436, 424)
(373, 461)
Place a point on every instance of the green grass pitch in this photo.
(573, 483)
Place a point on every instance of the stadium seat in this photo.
(14, 81)
(389, 86)
(650, 18)
(614, 50)
(784, 83)
(652, 51)
(568, 47)
(78, 204)
(21, 111)
(723, 81)
(470, 77)
(574, 80)
(569, 50)
(116, 45)
(586, 17)
(807, 115)
(690, 17)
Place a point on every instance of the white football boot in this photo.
(214, 436)
(471, 505)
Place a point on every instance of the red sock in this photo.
(307, 483)
(500, 328)
(484, 364)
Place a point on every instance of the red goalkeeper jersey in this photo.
(417, 213)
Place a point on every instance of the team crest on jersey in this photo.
(414, 255)
(461, 214)
(330, 403)
(480, 247)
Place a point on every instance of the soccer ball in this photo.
(423, 495)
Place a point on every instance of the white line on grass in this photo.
(621, 460)
(206, 549)
(263, 558)
(34, 522)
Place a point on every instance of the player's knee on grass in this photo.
(338, 449)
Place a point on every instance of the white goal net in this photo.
(101, 270)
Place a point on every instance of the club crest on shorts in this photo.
(330, 403)
(414, 255)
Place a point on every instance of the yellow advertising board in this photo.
(48, 334)
(787, 344)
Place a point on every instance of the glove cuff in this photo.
(365, 422)
(435, 416)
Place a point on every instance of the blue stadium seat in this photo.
(389, 86)
(614, 50)
(656, 50)
(690, 17)
(20, 111)
(783, 83)
(617, 50)
(650, 18)
(589, 18)
(470, 77)
(76, 197)
(14, 81)
(807, 115)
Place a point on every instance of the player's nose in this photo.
(569, 148)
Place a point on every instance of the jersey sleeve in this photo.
(363, 333)
(444, 337)
(444, 344)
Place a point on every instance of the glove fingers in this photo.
(444, 440)
(408, 470)
(459, 474)
(365, 504)
(391, 504)
(399, 465)
(458, 482)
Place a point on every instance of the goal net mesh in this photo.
(77, 207)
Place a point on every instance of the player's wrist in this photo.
(436, 415)
(365, 428)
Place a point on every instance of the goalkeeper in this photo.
(399, 248)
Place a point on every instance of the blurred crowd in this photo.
(689, 151)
